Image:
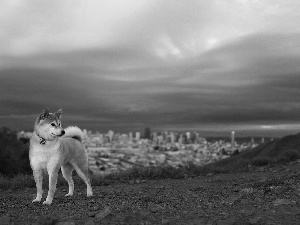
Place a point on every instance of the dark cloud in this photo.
(252, 80)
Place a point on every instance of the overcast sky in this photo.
(207, 65)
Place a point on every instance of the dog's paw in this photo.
(47, 202)
(69, 194)
(89, 194)
(36, 200)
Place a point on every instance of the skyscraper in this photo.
(110, 135)
(147, 133)
(232, 139)
(130, 136)
(137, 136)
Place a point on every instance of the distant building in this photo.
(147, 133)
(172, 135)
(233, 139)
(188, 135)
(160, 139)
(110, 135)
(137, 136)
(181, 139)
(130, 136)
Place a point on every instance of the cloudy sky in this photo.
(209, 66)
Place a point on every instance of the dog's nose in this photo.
(63, 132)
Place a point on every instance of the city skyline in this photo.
(207, 66)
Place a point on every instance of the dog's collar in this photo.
(42, 140)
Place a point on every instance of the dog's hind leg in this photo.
(38, 177)
(67, 174)
(82, 171)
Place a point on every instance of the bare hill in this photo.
(282, 150)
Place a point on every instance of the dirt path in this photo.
(264, 196)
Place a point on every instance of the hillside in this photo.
(282, 150)
(275, 148)
(267, 195)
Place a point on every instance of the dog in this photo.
(52, 148)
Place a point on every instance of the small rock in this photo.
(210, 205)
(94, 208)
(247, 190)
(196, 222)
(143, 181)
(260, 169)
(263, 179)
(224, 214)
(246, 212)
(278, 202)
(236, 189)
(226, 222)
(210, 222)
(65, 223)
(165, 221)
(90, 222)
(5, 220)
(195, 195)
(153, 209)
(103, 213)
(209, 174)
(92, 214)
(244, 201)
(144, 213)
(254, 221)
(131, 182)
(260, 193)
(138, 181)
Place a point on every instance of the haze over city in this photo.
(198, 65)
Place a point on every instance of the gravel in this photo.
(263, 196)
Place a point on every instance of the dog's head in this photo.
(49, 124)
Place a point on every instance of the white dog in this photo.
(51, 148)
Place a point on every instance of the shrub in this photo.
(14, 158)
(261, 161)
(290, 155)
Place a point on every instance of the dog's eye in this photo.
(53, 124)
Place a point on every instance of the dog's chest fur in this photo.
(41, 155)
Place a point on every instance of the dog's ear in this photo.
(44, 114)
(58, 113)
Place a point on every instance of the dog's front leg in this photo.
(38, 177)
(53, 173)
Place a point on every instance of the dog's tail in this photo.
(74, 132)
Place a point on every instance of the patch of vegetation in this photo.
(13, 154)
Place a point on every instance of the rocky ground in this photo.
(266, 195)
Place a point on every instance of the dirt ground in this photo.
(267, 195)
